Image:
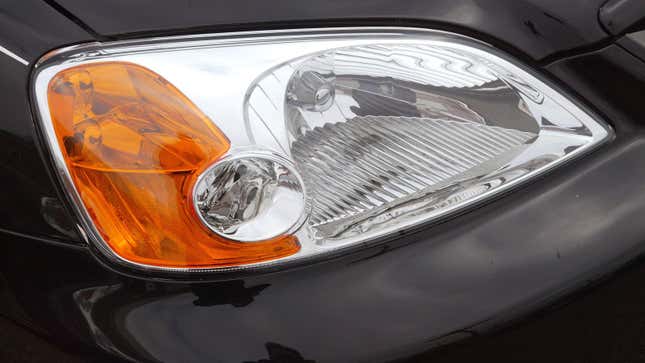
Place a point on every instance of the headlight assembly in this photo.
(248, 149)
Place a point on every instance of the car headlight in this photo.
(247, 149)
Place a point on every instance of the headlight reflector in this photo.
(251, 197)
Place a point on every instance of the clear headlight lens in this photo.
(250, 149)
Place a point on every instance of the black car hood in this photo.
(537, 28)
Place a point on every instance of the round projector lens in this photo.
(250, 198)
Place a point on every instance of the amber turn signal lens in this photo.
(134, 145)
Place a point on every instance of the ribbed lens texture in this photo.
(361, 167)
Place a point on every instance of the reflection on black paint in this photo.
(28, 192)
(229, 292)
(55, 215)
(281, 354)
(529, 24)
(381, 251)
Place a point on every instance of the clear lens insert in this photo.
(337, 137)
(389, 135)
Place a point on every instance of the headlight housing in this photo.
(251, 149)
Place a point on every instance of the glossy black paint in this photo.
(535, 27)
(468, 276)
(604, 324)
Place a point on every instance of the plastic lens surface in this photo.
(252, 149)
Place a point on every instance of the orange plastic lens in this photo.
(133, 144)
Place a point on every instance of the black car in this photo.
(331, 181)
